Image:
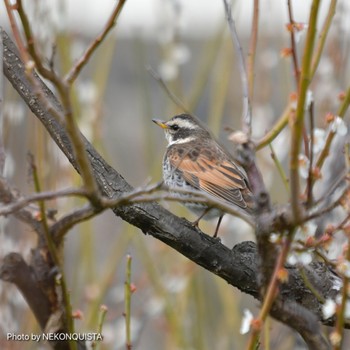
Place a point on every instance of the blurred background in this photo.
(176, 305)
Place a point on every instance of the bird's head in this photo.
(181, 129)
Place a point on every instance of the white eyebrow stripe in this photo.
(186, 124)
(179, 141)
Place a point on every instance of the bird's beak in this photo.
(160, 123)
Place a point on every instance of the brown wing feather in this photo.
(219, 177)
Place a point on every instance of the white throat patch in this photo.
(179, 141)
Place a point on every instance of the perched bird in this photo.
(195, 161)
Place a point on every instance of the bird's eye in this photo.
(175, 127)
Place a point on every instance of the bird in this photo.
(194, 160)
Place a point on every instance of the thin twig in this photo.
(293, 44)
(29, 66)
(331, 189)
(202, 198)
(323, 36)
(271, 292)
(279, 168)
(247, 113)
(54, 254)
(81, 63)
(101, 319)
(298, 125)
(32, 50)
(47, 195)
(296, 66)
(64, 224)
(172, 96)
(340, 113)
(323, 256)
(14, 27)
(252, 49)
(342, 224)
(149, 194)
(328, 208)
(64, 91)
(127, 309)
(310, 286)
(309, 184)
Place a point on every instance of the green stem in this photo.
(54, 256)
(298, 124)
(252, 49)
(101, 319)
(127, 311)
(309, 285)
(323, 36)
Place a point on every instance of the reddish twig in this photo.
(76, 69)
(14, 27)
(293, 45)
(271, 292)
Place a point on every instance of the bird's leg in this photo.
(196, 222)
(218, 225)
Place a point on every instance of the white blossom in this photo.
(309, 99)
(328, 308)
(338, 126)
(302, 258)
(303, 166)
(338, 300)
(305, 258)
(246, 321)
(298, 34)
(274, 237)
(319, 140)
(344, 268)
(305, 231)
(292, 259)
